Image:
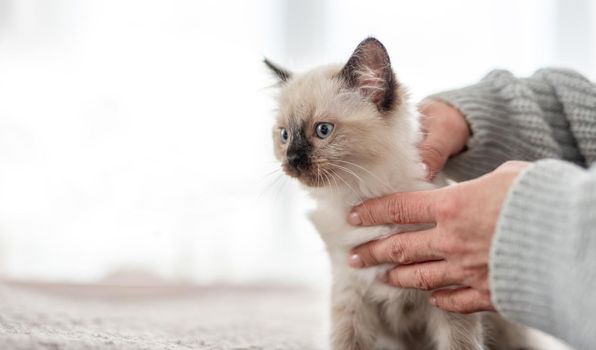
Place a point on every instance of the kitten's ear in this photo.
(281, 74)
(369, 71)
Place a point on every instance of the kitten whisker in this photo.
(349, 186)
(326, 177)
(349, 171)
(280, 187)
(270, 173)
(354, 174)
(368, 171)
(322, 172)
(318, 176)
(273, 182)
(332, 177)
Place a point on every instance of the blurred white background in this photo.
(135, 134)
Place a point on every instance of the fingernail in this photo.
(354, 218)
(432, 300)
(355, 261)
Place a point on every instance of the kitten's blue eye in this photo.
(323, 130)
(284, 135)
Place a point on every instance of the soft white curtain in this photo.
(135, 135)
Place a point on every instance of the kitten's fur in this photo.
(370, 152)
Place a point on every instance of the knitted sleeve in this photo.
(542, 269)
(549, 115)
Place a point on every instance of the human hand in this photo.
(446, 134)
(453, 253)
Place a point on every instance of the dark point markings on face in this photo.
(300, 149)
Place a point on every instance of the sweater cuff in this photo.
(531, 245)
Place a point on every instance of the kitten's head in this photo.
(337, 119)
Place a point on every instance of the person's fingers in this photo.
(426, 276)
(433, 150)
(446, 133)
(463, 300)
(433, 156)
(401, 248)
(397, 208)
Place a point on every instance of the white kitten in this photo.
(348, 133)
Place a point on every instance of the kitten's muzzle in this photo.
(299, 160)
(300, 166)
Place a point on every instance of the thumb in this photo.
(433, 156)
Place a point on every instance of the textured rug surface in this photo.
(174, 318)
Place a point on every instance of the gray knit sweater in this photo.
(543, 260)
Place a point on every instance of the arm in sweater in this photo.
(542, 268)
(549, 115)
(543, 258)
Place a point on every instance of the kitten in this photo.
(348, 133)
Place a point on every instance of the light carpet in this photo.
(60, 317)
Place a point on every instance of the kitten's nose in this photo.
(298, 160)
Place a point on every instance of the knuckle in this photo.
(447, 241)
(423, 280)
(394, 209)
(440, 242)
(446, 210)
(450, 246)
(371, 255)
(367, 213)
(468, 270)
(398, 211)
(465, 275)
(397, 252)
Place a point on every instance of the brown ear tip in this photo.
(371, 56)
(373, 47)
(371, 40)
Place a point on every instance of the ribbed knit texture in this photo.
(550, 115)
(543, 260)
